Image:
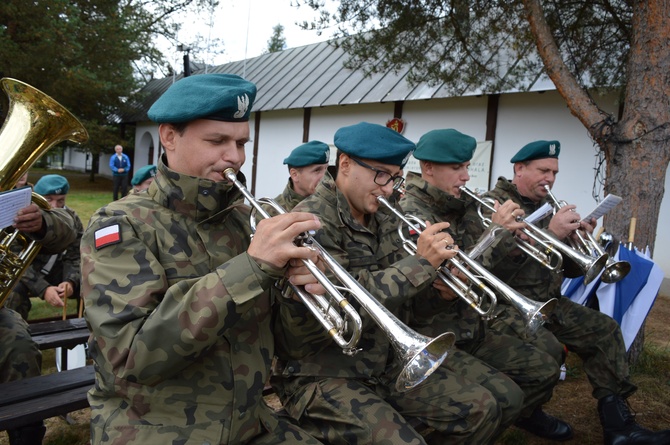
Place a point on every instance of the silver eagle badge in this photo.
(242, 106)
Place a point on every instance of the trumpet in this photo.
(552, 247)
(488, 285)
(614, 270)
(548, 256)
(420, 356)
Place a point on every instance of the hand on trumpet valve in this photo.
(445, 291)
(565, 221)
(273, 242)
(436, 245)
(508, 215)
(299, 275)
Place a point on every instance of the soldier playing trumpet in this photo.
(434, 195)
(594, 336)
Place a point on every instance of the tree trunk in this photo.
(637, 148)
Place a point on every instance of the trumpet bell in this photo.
(615, 271)
(593, 268)
(535, 313)
(422, 357)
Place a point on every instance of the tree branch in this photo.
(580, 104)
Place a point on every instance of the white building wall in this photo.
(522, 118)
(74, 160)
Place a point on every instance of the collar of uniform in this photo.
(290, 194)
(420, 188)
(196, 198)
(511, 188)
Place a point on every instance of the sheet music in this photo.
(604, 207)
(11, 202)
(539, 214)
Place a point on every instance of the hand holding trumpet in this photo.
(273, 241)
(508, 215)
(435, 245)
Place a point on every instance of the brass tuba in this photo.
(34, 123)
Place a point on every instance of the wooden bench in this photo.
(60, 334)
(27, 401)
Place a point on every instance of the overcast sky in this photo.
(245, 26)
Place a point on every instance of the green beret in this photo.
(373, 141)
(144, 173)
(221, 97)
(445, 147)
(537, 150)
(52, 185)
(312, 152)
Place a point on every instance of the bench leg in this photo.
(27, 435)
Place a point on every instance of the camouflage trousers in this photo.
(509, 322)
(20, 357)
(285, 432)
(595, 337)
(533, 370)
(350, 411)
(19, 300)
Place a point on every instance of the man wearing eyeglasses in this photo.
(353, 400)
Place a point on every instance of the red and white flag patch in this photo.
(107, 236)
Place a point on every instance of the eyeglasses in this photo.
(381, 177)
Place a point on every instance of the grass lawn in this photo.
(85, 197)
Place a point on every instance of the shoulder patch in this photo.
(107, 236)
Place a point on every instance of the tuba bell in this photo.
(33, 124)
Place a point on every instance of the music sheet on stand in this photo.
(11, 202)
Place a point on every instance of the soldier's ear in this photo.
(344, 164)
(167, 134)
(426, 168)
(293, 173)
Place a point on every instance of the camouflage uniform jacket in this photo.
(180, 317)
(62, 266)
(289, 198)
(431, 204)
(523, 273)
(375, 257)
(59, 231)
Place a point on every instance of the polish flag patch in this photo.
(107, 236)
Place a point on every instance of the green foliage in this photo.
(277, 41)
(89, 55)
(486, 44)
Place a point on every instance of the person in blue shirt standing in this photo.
(119, 163)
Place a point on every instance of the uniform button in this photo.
(468, 334)
(205, 192)
(290, 369)
(242, 414)
(205, 226)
